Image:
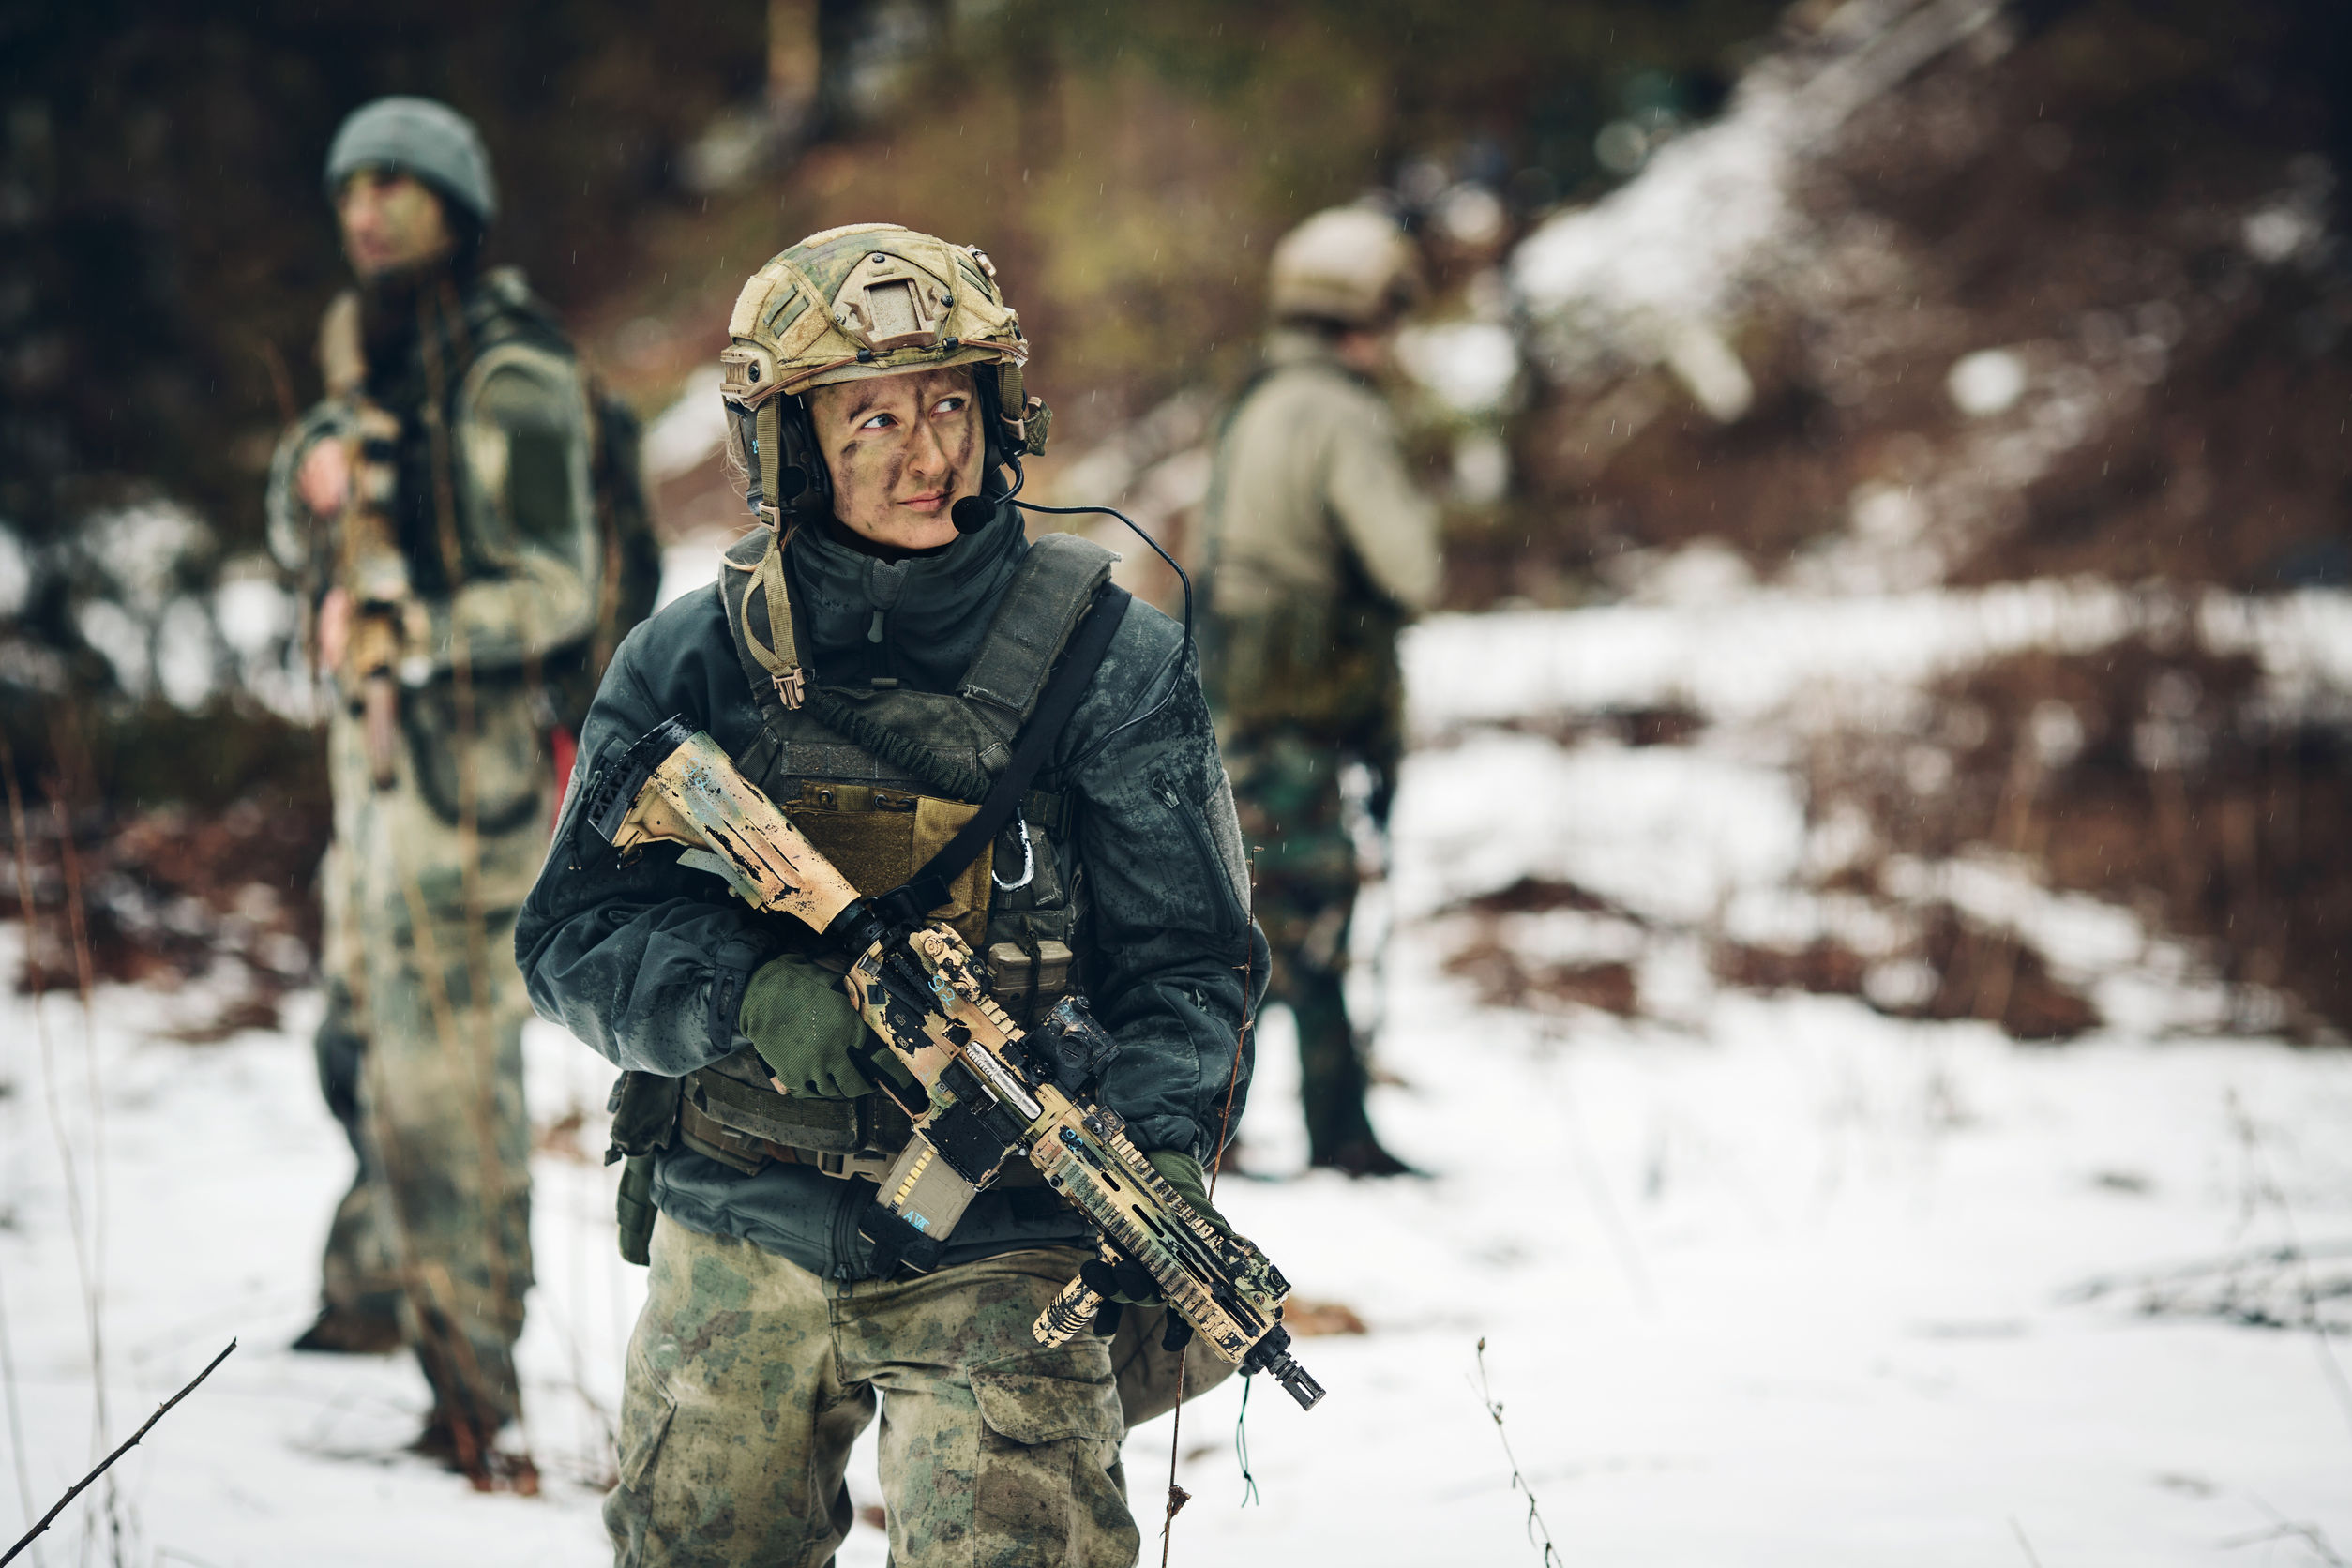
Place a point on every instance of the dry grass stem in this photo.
(1538, 1533)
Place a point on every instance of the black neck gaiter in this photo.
(917, 619)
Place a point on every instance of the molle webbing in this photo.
(930, 886)
(1051, 590)
(953, 779)
(757, 1110)
(729, 1111)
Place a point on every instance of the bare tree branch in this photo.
(128, 1443)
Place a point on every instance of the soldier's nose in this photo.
(927, 459)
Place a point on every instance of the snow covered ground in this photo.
(1767, 1279)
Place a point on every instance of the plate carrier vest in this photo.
(879, 803)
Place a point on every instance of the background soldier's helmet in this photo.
(1352, 265)
(871, 299)
(417, 136)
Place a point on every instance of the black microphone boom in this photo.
(1071, 511)
(973, 513)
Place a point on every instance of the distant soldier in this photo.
(1320, 549)
(442, 506)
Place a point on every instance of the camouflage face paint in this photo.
(903, 450)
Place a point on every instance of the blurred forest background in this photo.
(2049, 290)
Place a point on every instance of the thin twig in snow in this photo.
(24, 896)
(51, 1097)
(1596, 1190)
(2284, 1529)
(66, 741)
(2189, 1273)
(1538, 1533)
(2019, 1531)
(16, 1422)
(607, 1456)
(2266, 1184)
(172, 1554)
(128, 1443)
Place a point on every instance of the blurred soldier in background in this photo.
(467, 574)
(1319, 548)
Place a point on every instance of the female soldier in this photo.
(869, 664)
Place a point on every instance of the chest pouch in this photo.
(879, 838)
(933, 854)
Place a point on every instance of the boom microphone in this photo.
(973, 513)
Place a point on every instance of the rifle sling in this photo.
(927, 889)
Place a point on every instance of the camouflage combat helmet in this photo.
(420, 137)
(869, 299)
(1348, 264)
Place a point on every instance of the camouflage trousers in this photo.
(421, 1058)
(1303, 885)
(749, 1377)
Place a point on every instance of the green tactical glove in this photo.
(1130, 1283)
(1182, 1172)
(797, 1017)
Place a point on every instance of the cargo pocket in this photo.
(646, 1412)
(1030, 1408)
(1048, 1486)
(633, 1516)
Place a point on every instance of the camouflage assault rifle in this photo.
(979, 1090)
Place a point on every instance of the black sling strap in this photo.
(896, 1242)
(927, 889)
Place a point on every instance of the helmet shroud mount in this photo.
(868, 299)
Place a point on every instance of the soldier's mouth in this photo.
(927, 503)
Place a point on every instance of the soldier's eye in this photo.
(878, 422)
(953, 403)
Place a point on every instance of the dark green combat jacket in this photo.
(647, 962)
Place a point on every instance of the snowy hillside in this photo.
(1863, 921)
(1765, 1277)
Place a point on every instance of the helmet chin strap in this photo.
(783, 477)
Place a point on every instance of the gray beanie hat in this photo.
(420, 137)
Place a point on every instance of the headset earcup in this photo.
(804, 484)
